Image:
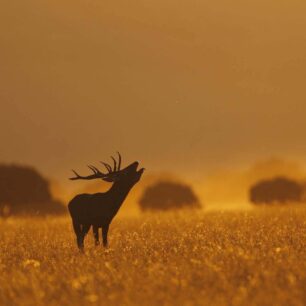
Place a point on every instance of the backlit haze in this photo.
(194, 88)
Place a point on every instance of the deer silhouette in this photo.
(99, 209)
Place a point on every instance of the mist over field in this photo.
(226, 188)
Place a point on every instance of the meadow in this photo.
(255, 257)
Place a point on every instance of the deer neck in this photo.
(119, 192)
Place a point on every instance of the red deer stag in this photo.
(99, 209)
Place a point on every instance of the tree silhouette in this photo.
(24, 191)
(166, 195)
(277, 190)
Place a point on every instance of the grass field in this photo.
(231, 258)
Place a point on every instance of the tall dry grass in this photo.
(232, 258)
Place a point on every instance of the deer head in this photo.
(128, 175)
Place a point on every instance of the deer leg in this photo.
(80, 238)
(85, 229)
(78, 232)
(80, 242)
(95, 230)
(104, 235)
(76, 227)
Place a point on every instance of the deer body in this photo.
(99, 209)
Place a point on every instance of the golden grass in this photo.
(233, 258)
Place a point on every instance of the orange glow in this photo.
(190, 87)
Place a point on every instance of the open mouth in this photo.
(135, 166)
(141, 170)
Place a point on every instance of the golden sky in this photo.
(183, 86)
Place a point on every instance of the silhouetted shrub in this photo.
(277, 190)
(168, 195)
(24, 191)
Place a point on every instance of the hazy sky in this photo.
(183, 85)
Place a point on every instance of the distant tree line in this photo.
(277, 190)
(24, 191)
(167, 195)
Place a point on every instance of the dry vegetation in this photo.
(233, 258)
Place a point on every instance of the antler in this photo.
(115, 169)
(107, 166)
(119, 161)
(96, 174)
(110, 176)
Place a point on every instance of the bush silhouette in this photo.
(168, 195)
(24, 191)
(277, 190)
